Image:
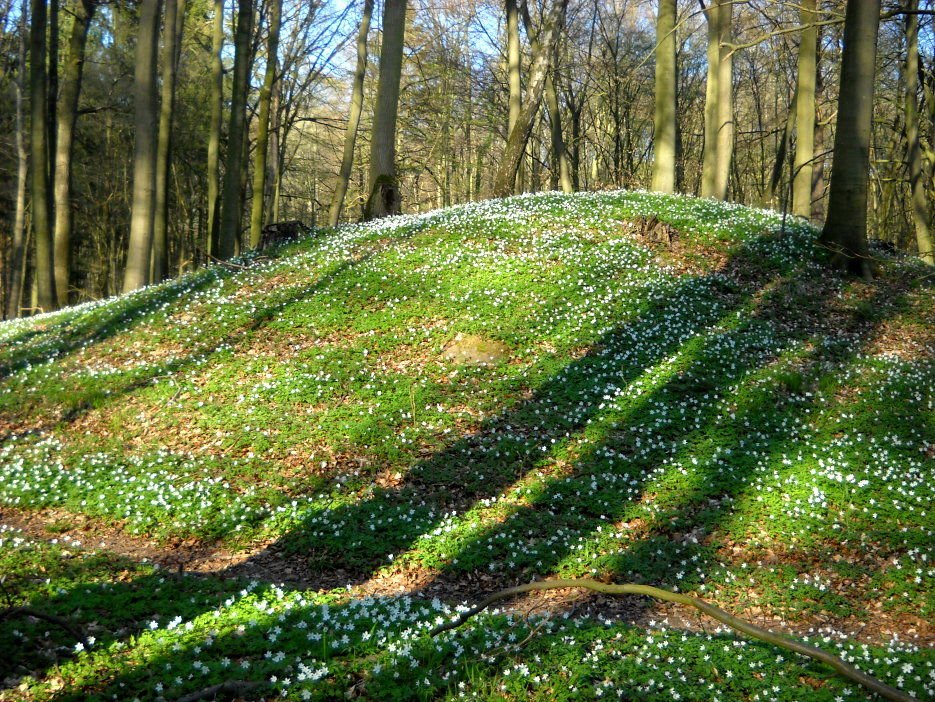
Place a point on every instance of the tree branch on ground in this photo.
(736, 623)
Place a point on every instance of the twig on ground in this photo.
(741, 625)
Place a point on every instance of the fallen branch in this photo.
(73, 629)
(717, 613)
(231, 688)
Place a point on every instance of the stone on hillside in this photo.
(475, 350)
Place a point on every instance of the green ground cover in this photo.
(716, 414)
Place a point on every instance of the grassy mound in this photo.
(697, 405)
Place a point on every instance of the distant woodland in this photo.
(140, 140)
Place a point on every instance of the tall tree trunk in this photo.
(711, 111)
(353, 121)
(845, 230)
(561, 169)
(39, 136)
(231, 203)
(260, 168)
(514, 75)
(174, 21)
(213, 207)
(136, 274)
(920, 212)
(805, 112)
(725, 100)
(666, 83)
(14, 291)
(383, 186)
(538, 71)
(67, 119)
(275, 171)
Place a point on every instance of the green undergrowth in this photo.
(717, 414)
(155, 634)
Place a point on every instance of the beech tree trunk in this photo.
(562, 169)
(214, 130)
(919, 202)
(174, 21)
(719, 101)
(514, 74)
(353, 121)
(805, 112)
(845, 230)
(538, 71)
(67, 119)
(260, 162)
(39, 143)
(231, 204)
(136, 274)
(666, 80)
(725, 101)
(383, 185)
(14, 281)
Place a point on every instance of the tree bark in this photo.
(231, 204)
(14, 290)
(845, 230)
(39, 142)
(920, 211)
(136, 274)
(711, 111)
(725, 100)
(67, 119)
(174, 21)
(538, 71)
(353, 122)
(383, 185)
(262, 136)
(514, 74)
(562, 169)
(214, 129)
(805, 112)
(666, 82)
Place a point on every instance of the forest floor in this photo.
(281, 475)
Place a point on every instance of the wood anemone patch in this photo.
(475, 350)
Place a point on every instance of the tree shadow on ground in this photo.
(560, 442)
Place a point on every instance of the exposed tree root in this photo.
(230, 688)
(741, 625)
(73, 629)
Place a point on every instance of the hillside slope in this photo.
(625, 386)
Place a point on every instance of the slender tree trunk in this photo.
(666, 83)
(845, 230)
(353, 122)
(539, 70)
(725, 100)
(213, 207)
(52, 123)
(174, 21)
(805, 112)
(920, 211)
(514, 74)
(770, 190)
(711, 111)
(231, 203)
(260, 161)
(275, 149)
(67, 119)
(39, 135)
(561, 175)
(136, 274)
(383, 186)
(17, 254)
